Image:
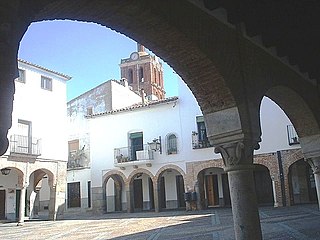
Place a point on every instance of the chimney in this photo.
(140, 47)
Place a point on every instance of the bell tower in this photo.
(144, 73)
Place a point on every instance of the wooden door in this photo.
(151, 193)
(180, 191)
(2, 204)
(209, 189)
(162, 193)
(74, 197)
(212, 189)
(137, 194)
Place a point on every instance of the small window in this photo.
(89, 111)
(130, 76)
(141, 74)
(172, 144)
(21, 77)
(46, 83)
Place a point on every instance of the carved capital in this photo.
(236, 155)
(314, 164)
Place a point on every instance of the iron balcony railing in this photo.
(25, 145)
(292, 135)
(198, 143)
(132, 153)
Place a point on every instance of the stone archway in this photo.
(140, 193)
(170, 187)
(12, 181)
(39, 194)
(113, 189)
(212, 188)
(301, 183)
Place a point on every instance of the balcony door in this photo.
(136, 144)
(24, 142)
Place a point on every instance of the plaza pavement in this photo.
(297, 222)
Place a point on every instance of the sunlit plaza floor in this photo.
(297, 222)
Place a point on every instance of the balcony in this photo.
(133, 156)
(292, 135)
(20, 144)
(198, 143)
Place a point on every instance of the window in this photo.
(46, 83)
(141, 74)
(292, 135)
(172, 144)
(200, 139)
(130, 76)
(89, 111)
(22, 77)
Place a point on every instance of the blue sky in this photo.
(88, 52)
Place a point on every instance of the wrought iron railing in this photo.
(132, 153)
(199, 143)
(25, 145)
(292, 135)
(77, 159)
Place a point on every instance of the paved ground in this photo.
(298, 222)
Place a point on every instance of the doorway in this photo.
(2, 204)
(212, 192)
(137, 194)
(136, 144)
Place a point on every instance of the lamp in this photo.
(155, 145)
(5, 171)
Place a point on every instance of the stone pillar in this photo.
(238, 160)
(315, 165)
(52, 203)
(129, 195)
(274, 190)
(22, 206)
(311, 150)
(156, 192)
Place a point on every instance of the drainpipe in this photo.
(281, 178)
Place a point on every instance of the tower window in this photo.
(130, 76)
(141, 74)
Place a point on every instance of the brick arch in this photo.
(137, 171)
(132, 20)
(290, 158)
(167, 167)
(300, 111)
(207, 164)
(270, 161)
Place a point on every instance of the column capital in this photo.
(236, 155)
(314, 164)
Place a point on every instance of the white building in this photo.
(146, 156)
(108, 96)
(34, 166)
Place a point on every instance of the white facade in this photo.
(108, 96)
(174, 115)
(38, 140)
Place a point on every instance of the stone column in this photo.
(52, 203)
(156, 191)
(275, 199)
(22, 206)
(315, 165)
(311, 150)
(129, 195)
(238, 160)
